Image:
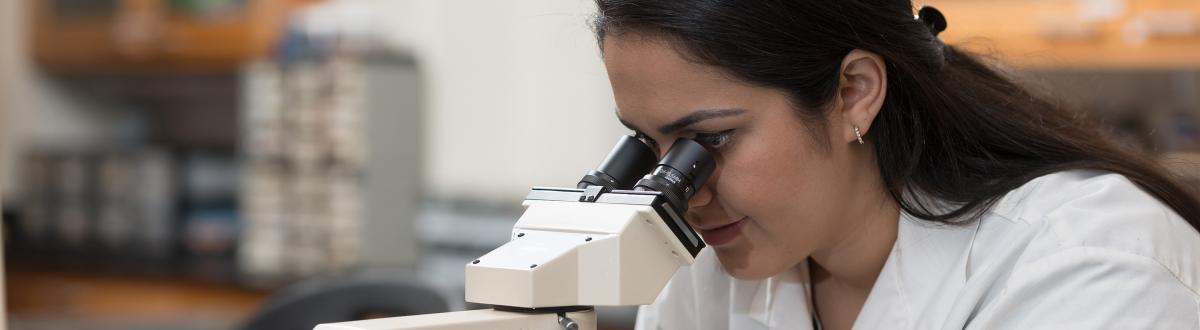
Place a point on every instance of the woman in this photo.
(870, 175)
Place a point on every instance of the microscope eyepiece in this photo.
(629, 159)
(680, 173)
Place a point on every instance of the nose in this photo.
(703, 196)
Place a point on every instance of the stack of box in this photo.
(304, 148)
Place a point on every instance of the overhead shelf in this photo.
(153, 35)
(1077, 34)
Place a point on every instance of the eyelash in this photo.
(713, 141)
(647, 140)
(716, 140)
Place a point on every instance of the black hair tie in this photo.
(932, 19)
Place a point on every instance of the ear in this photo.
(862, 87)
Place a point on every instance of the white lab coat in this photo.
(1070, 250)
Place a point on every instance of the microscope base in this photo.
(481, 319)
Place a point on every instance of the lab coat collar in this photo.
(927, 263)
(790, 288)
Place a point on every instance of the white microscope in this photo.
(573, 249)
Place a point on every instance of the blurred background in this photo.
(227, 164)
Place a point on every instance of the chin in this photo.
(748, 269)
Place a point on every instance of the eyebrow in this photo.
(688, 120)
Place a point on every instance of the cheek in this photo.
(766, 175)
(776, 180)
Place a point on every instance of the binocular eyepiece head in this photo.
(627, 161)
(680, 173)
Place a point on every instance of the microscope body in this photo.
(620, 249)
(576, 248)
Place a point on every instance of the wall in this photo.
(516, 92)
(522, 98)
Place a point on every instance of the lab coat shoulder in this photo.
(1074, 249)
(1084, 249)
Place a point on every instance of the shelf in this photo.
(1049, 34)
(144, 36)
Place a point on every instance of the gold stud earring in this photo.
(858, 134)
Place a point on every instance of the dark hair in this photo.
(951, 127)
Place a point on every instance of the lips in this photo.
(722, 234)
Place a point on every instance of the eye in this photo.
(714, 140)
(647, 140)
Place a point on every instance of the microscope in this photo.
(614, 240)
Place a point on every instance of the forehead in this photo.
(652, 80)
(654, 55)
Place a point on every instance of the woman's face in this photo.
(776, 194)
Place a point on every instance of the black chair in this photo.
(350, 298)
